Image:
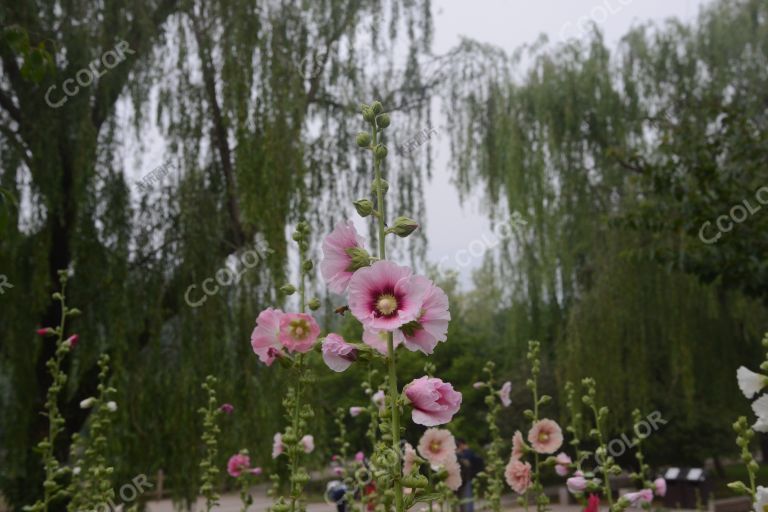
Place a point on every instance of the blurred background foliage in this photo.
(614, 157)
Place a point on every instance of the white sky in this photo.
(509, 24)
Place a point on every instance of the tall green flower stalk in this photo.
(534, 361)
(211, 430)
(606, 465)
(91, 484)
(53, 489)
(493, 474)
(378, 121)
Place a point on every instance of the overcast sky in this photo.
(453, 230)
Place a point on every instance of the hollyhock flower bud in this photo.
(237, 464)
(504, 393)
(519, 448)
(478, 385)
(256, 471)
(227, 408)
(577, 483)
(382, 121)
(307, 266)
(314, 304)
(264, 338)
(356, 411)
(364, 207)
(45, 331)
(518, 475)
(403, 227)
(111, 406)
(343, 254)
(359, 457)
(660, 487)
(409, 459)
(375, 186)
(380, 152)
(278, 447)
(337, 353)
(750, 383)
(563, 462)
(545, 436)
(288, 289)
(434, 402)
(87, 403)
(379, 399)
(298, 331)
(638, 498)
(368, 114)
(308, 443)
(363, 139)
(437, 446)
(71, 342)
(377, 107)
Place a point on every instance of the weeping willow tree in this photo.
(616, 161)
(248, 100)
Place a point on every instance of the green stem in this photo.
(295, 451)
(606, 473)
(391, 361)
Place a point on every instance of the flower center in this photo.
(299, 329)
(543, 437)
(435, 446)
(387, 304)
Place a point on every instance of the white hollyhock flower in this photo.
(750, 382)
(761, 499)
(760, 406)
(87, 403)
(112, 406)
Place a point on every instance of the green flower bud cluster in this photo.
(208, 470)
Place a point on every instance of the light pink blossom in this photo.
(227, 408)
(385, 296)
(356, 411)
(562, 464)
(255, 471)
(434, 402)
(639, 497)
(437, 446)
(660, 486)
(278, 447)
(545, 436)
(453, 481)
(518, 475)
(264, 338)
(298, 331)
(577, 483)
(379, 399)
(431, 326)
(336, 265)
(519, 447)
(359, 457)
(409, 459)
(504, 392)
(337, 353)
(308, 443)
(237, 464)
(377, 339)
(478, 385)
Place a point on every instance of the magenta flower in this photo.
(308, 443)
(359, 457)
(518, 475)
(264, 338)
(298, 331)
(255, 471)
(356, 411)
(278, 448)
(227, 408)
(337, 266)
(434, 402)
(237, 464)
(437, 446)
(338, 471)
(431, 326)
(385, 296)
(545, 436)
(504, 392)
(337, 353)
(71, 342)
(639, 497)
(660, 486)
(562, 464)
(44, 331)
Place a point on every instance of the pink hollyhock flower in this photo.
(519, 447)
(504, 392)
(434, 402)
(385, 296)
(256, 471)
(577, 483)
(337, 267)
(359, 457)
(431, 326)
(227, 408)
(337, 353)
(453, 481)
(356, 411)
(545, 436)
(563, 464)
(237, 464)
(518, 475)
(639, 497)
(660, 486)
(44, 331)
(308, 443)
(437, 446)
(264, 338)
(71, 342)
(338, 471)
(278, 447)
(409, 459)
(593, 504)
(298, 331)
(379, 399)
(377, 340)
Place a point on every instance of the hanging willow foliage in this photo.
(615, 162)
(248, 100)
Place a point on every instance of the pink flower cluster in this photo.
(438, 448)
(545, 437)
(239, 464)
(276, 331)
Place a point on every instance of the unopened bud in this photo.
(288, 289)
(360, 258)
(364, 207)
(382, 121)
(375, 186)
(403, 227)
(380, 152)
(307, 266)
(363, 139)
(377, 107)
(314, 304)
(87, 403)
(368, 114)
